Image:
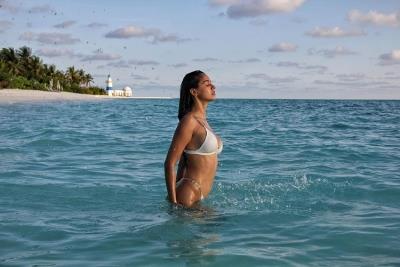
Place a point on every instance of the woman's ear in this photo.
(193, 91)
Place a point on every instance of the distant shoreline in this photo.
(10, 96)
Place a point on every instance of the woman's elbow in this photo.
(168, 164)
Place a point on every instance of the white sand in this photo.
(17, 96)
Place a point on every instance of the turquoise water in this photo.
(300, 183)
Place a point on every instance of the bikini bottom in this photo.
(194, 183)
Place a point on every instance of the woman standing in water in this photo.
(194, 144)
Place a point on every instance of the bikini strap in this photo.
(199, 121)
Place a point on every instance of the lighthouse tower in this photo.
(109, 85)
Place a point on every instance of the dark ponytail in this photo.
(191, 80)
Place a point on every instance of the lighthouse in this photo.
(109, 85)
(126, 92)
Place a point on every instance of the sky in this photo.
(307, 49)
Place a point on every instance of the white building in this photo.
(127, 91)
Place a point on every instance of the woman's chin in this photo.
(210, 98)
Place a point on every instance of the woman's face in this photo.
(206, 90)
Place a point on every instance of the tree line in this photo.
(19, 68)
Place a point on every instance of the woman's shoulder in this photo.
(188, 121)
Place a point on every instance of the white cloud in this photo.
(212, 59)
(131, 63)
(132, 31)
(5, 25)
(334, 32)
(96, 25)
(355, 83)
(41, 9)
(56, 38)
(143, 62)
(391, 58)
(253, 8)
(160, 38)
(65, 24)
(6, 5)
(392, 76)
(139, 77)
(179, 65)
(206, 59)
(273, 80)
(101, 57)
(223, 2)
(247, 60)
(331, 53)
(353, 77)
(14, 6)
(50, 52)
(289, 64)
(120, 64)
(53, 38)
(375, 18)
(283, 47)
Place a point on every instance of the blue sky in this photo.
(249, 48)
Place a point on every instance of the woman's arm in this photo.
(183, 135)
(181, 168)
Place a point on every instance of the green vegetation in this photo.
(20, 69)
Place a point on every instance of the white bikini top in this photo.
(209, 146)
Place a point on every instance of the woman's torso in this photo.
(203, 166)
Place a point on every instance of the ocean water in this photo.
(300, 183)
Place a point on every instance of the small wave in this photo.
(48, 143)
(340, 126)
(295, 195)
(8, 150)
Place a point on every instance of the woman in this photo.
(194, 144)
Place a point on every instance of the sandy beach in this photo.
(11, 96)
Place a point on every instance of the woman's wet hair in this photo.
(191, 80)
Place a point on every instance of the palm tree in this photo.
(14, 68)
(71, 75)
(51, 70)
(59, 75)
(24, 54)
(3, 66)
(10, 57)
(45, 77)
(4, 75)
(36, 68)
(88, 79)
(81, 77)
